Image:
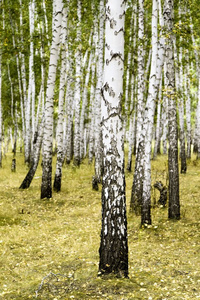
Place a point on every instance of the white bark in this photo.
(158, 125)
(165, 115)
(40, 106)
(77, 95)
(98, 142)
(83, 109)
(60, 129)
(188, 110)
(149, 120)
(113, 247)
(92, 116)
(46, 187)
(31, 88)
(141, 70)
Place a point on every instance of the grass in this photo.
(51, 246)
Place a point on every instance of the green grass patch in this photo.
(51, 246)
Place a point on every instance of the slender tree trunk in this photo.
(46, 187)
(149, 121)
(83, 109)
(157, 133)
(165, 115)
(35, 159)
(180, 93)
(174, 204)
(92, 117)
(69, 109)
(77, 96)
(131, 127)
(31, 88)
(98, 134)
(188, 109)
(59, 136)
(113, 247)
(137, 187)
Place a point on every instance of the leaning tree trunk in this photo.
(35, 157)
(46, 187)
(113, 247)
(174, 204)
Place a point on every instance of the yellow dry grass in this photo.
(51, 246)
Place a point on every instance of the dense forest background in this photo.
(61, 63)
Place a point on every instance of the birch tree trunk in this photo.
(35, 158)
(149, 121)
(59, 136)
(114, 246)
(165, 114)
(69, 109)
(157, 136)
(137, 187)
(92, 116)
(174, 204)
(180, 93)
(98, 134)
(188, 108)
(83, 109)
(77, 95)
(46, 186)
(131, 127)
(31, 89)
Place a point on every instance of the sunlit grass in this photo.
(62, 236)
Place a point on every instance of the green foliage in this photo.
(62, 236)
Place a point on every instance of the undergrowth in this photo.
(49, 248)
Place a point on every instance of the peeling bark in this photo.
(113, 249)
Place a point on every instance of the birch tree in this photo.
(31, 86)
(149, 121)
(35, 157)
(98, 142)
(46, 186)
(77, 95)
(174, 204)
(60, 128)
(113, 247)
(136, 195)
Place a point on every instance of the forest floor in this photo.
(49, 248)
